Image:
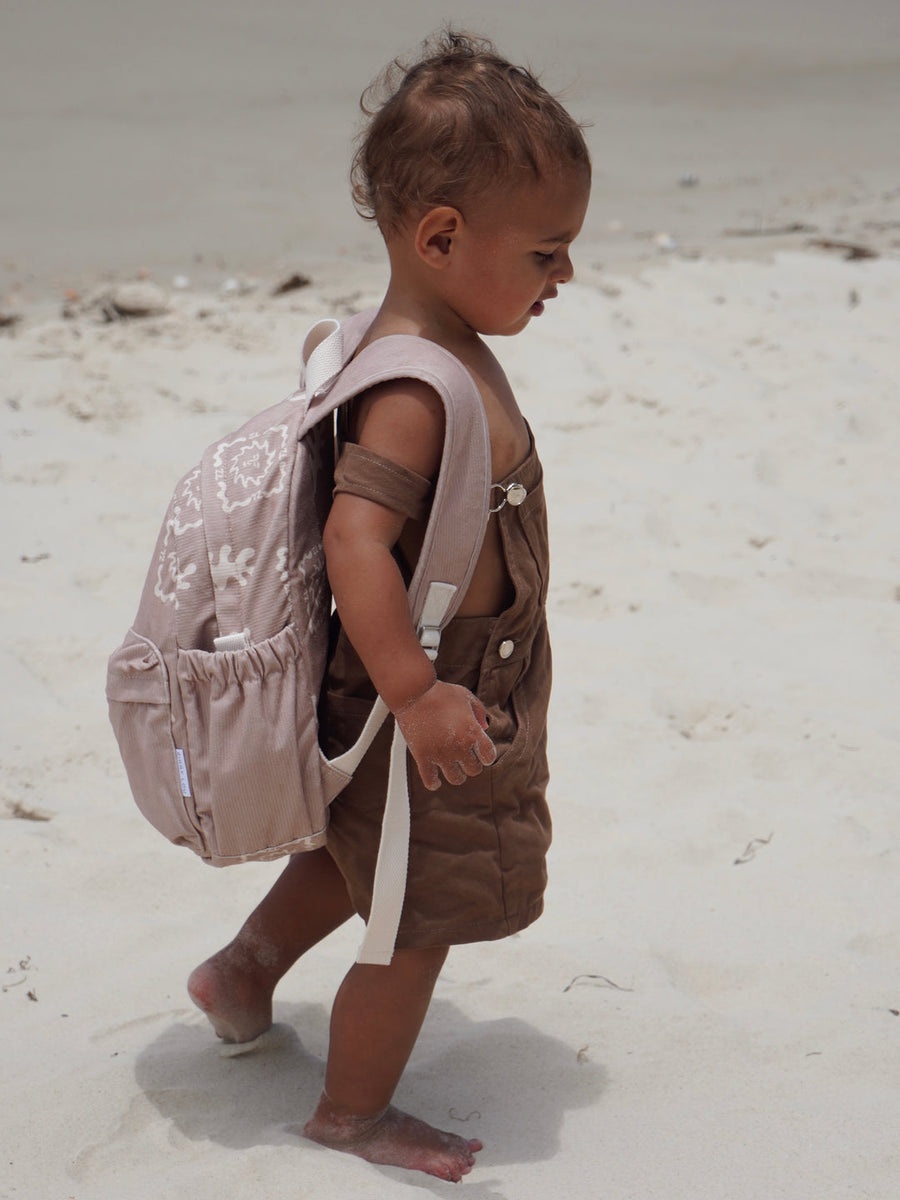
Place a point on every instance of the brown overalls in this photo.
(477, 852)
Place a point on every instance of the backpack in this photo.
(213, 692)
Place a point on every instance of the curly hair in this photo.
(456, 123)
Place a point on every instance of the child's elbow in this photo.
(344, 544)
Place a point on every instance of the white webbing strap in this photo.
(233, 641)
(389, 887)
(350, 759)
(390, 870)
(437, 601)
(323, 355)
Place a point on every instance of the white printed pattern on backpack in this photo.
(281, 566)
(188, 498)
(250, 468)
(169, 579)
(228, 568)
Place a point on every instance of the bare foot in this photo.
(393, 1138)
(233, 989)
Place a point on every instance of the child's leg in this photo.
(376, 1019)
(234, 987)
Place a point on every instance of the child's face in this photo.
(514, 252)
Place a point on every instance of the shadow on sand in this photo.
(503, 1080)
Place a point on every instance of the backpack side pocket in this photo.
(256, 768)
(140, 708)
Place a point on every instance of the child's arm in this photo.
(443, 724)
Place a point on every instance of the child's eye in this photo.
(544, 259)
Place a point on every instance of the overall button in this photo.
(506, 648)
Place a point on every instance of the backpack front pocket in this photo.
(255, 764)
(140, 708)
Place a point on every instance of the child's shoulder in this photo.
(402, 420)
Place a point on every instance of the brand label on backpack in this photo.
(181, 764)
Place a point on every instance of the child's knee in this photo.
(426, 961)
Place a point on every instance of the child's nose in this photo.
(564, 271)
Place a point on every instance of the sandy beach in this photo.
(710, 1007)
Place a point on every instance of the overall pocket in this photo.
(255, 765)
(140, 707)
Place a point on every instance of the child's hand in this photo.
(444, 730)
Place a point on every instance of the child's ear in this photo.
(436, 236)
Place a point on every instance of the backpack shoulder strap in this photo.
(450, 549)
(459, 511)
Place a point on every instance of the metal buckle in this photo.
(513, 494)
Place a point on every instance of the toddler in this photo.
(479, 182)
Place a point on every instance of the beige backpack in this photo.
(213, 693)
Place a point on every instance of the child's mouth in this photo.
(537, 308)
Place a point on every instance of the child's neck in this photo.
(414, 305)
(411, 311)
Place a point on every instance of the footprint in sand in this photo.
(696, 719)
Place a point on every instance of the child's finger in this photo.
(454, 773)
(485, 750)
(430, 775)
(480, 755)
(480, 712)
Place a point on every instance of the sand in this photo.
(709, 1007)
